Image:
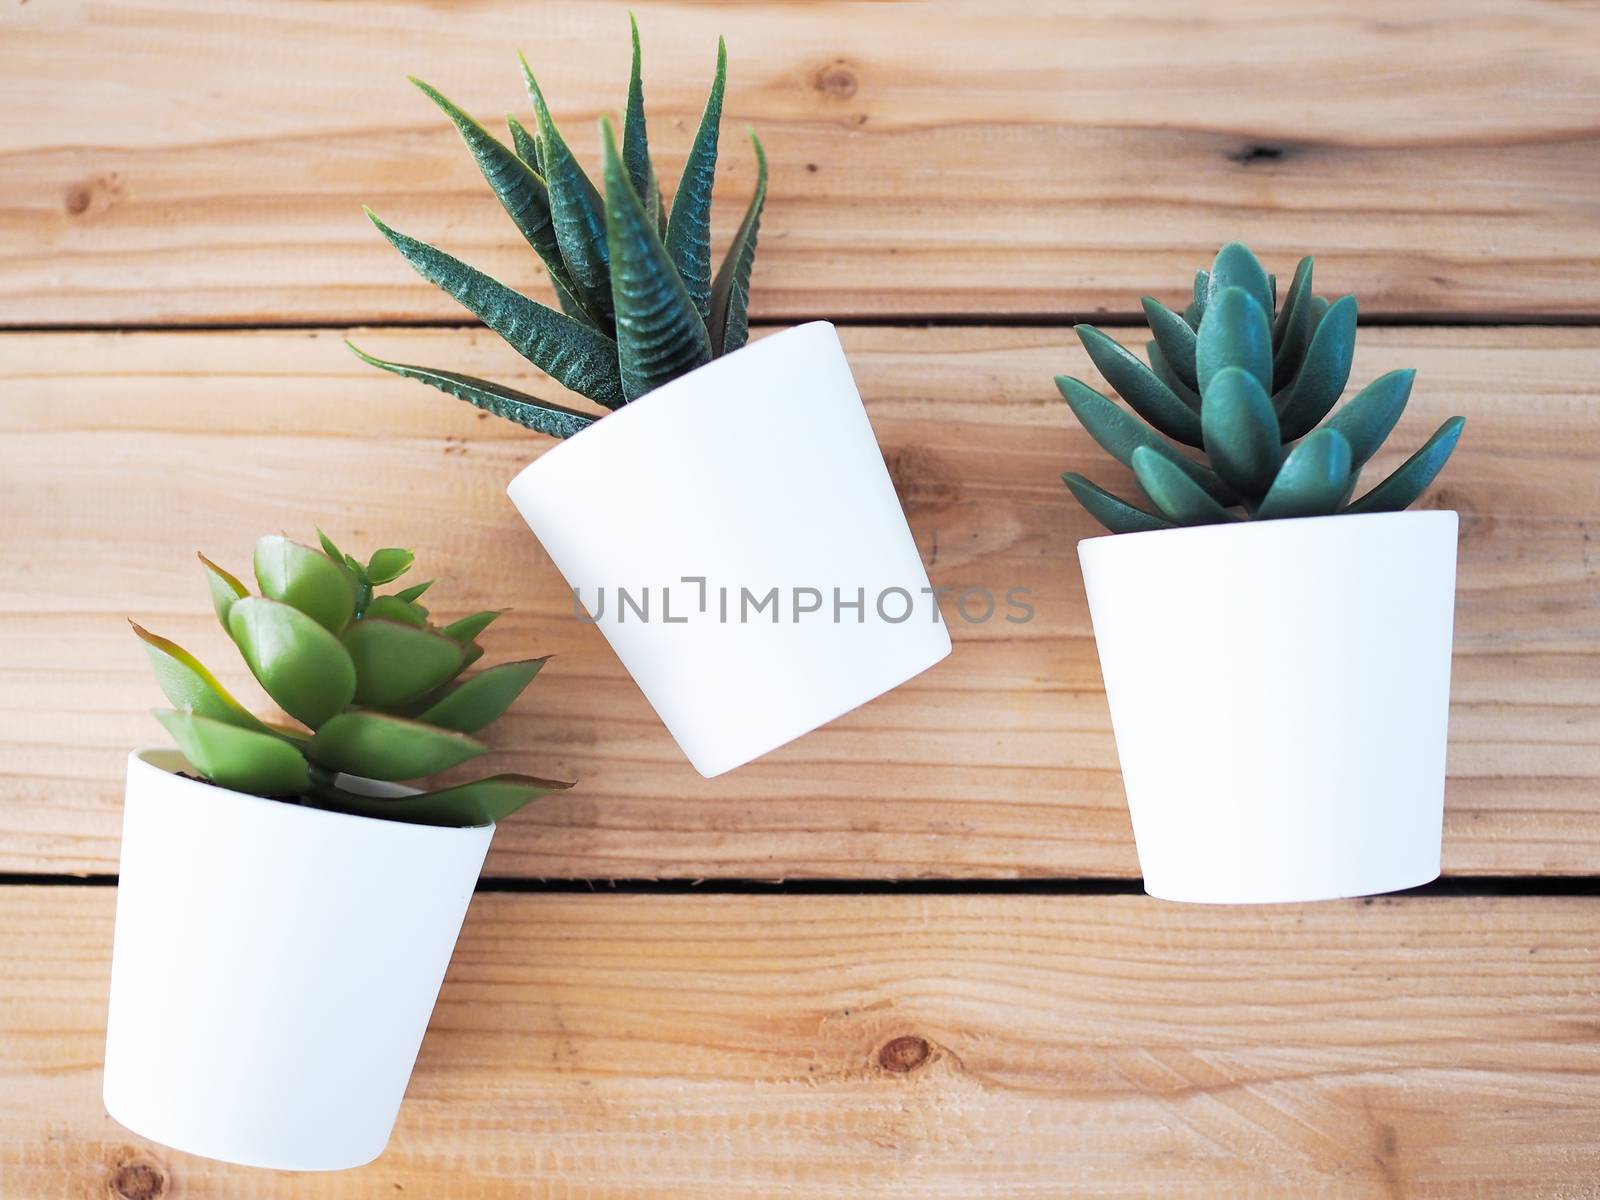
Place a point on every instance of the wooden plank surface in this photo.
(633, 1047)
(126, 453)
(174, 161)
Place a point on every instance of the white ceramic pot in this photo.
(759, 471)
(275, 968)
(1280, 692)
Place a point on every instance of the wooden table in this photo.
(907, 956)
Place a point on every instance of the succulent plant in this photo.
(375, 684)
(1250, 388)
(639, 303)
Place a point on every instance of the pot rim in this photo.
(616, 419)
(150, 759)
(1258, 528)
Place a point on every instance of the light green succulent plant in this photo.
(639, 303)
(375, 684)
(1250, 389)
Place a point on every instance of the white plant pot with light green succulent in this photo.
(1276, 655)
(286, 909)
(725, 515)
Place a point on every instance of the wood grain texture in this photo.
(176, 161)
(126, 453)
(650, 1048)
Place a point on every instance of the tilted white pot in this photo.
(275, 968)
(758, 471)
(1280, 693)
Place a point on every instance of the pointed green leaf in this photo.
(397, 662)
(186, 682)
(1236, 266)
(326, 542)
(1235, 332)
(1367, 418)
(482, 802)
(518, 187)
(1312, 481)
(298, 662)
(305, 579)
(379, 746)
(1180, 499)
(1197, 303)
(572, 353)
(1137, 384)
(1413, 476)
(1176, 339)
(411, 594)
(1241, 432)
(526, 146)
(660, 334)
(1292, 329)
(388, 564)
(1163, 371)
(1120, 435)
(392, 608)
(688, 240)
(242, 760)
(225, 588)
(635, 137)
(575, 209)
(538, 415)
(729, 325)
(1114, 513)
(1323, 372)
(475, 702)
(467, 629)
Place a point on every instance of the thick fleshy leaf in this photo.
(475, 702)
(1114, 513)
(467, 629)
(482, 802)
(1234, 333)
(1413, 476)
(688, 240)
(392, 608)
(1241, 432)
(1137, 384)
(1313, 480)
(397, 662)
(225, 588)
(388, 564)
(574, 354)
(1176, 339)
(1236, 266)
(1120, 434)
(1368, 417)
(300, 664)
(1295, 323)
(526, 146)
(186, 682)
(1180, 499)
(516, 185)
(527, 149)
(538, 415)
(305, 579)
(412, 594)
(379, 746)
(1197, 303)
(729, 325)
(1164, 372)
(243, 760)
(660, 333)
(1323, 372)
(635, 137)
(576, 210)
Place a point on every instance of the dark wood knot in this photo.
(905, 1053)
(138, 1181)
(836, 80)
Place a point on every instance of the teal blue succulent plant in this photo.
(1248, 382)
(639, 305)
(376, 686)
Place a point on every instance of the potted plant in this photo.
(1276, 655)
(286, 910)
(726, 516)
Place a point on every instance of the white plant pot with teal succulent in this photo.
(724, 513)
(1276, 652)
(286, 908)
